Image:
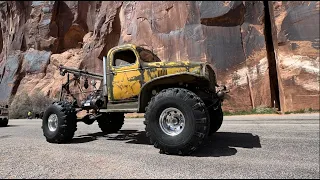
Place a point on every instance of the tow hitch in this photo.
(222, 91)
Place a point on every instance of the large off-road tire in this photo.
(110, 122)
(216, 119)
(59, 122)
(4, 123)
(177, 121)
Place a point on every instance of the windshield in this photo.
(147, 56)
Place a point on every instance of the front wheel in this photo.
(176, 121)
(59, 122)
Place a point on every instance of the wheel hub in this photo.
(53, 122)
(172, 121)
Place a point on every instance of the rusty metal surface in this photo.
(126, 81)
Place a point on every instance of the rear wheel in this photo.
(176, 121)
(110, 122)
(59, 122)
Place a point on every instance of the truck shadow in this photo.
(9, 126)
(218, 144)
(225, 144)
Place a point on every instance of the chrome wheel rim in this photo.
(53, 122)
(172, 121)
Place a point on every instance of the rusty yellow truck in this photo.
(181, 100)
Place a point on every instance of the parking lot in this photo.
(255, 146)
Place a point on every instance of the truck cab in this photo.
(132, 74)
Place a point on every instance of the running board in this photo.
(119, 110)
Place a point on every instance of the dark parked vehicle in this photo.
(4, 115)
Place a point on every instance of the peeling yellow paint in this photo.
(127, 80)
(124, 87)
(128, 84)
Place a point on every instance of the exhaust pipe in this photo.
(105, 90)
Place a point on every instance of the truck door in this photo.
(125, 80)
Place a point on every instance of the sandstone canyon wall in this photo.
(37, 36)
(297, 25)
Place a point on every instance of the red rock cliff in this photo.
(37, 36)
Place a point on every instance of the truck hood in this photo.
(175, 64)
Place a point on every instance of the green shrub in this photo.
(20, 106)
(301, 111)
(23, 103)
(258, 110)
(40, 102)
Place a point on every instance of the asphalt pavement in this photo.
(252, 146)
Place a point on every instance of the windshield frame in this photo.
(155, 58)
